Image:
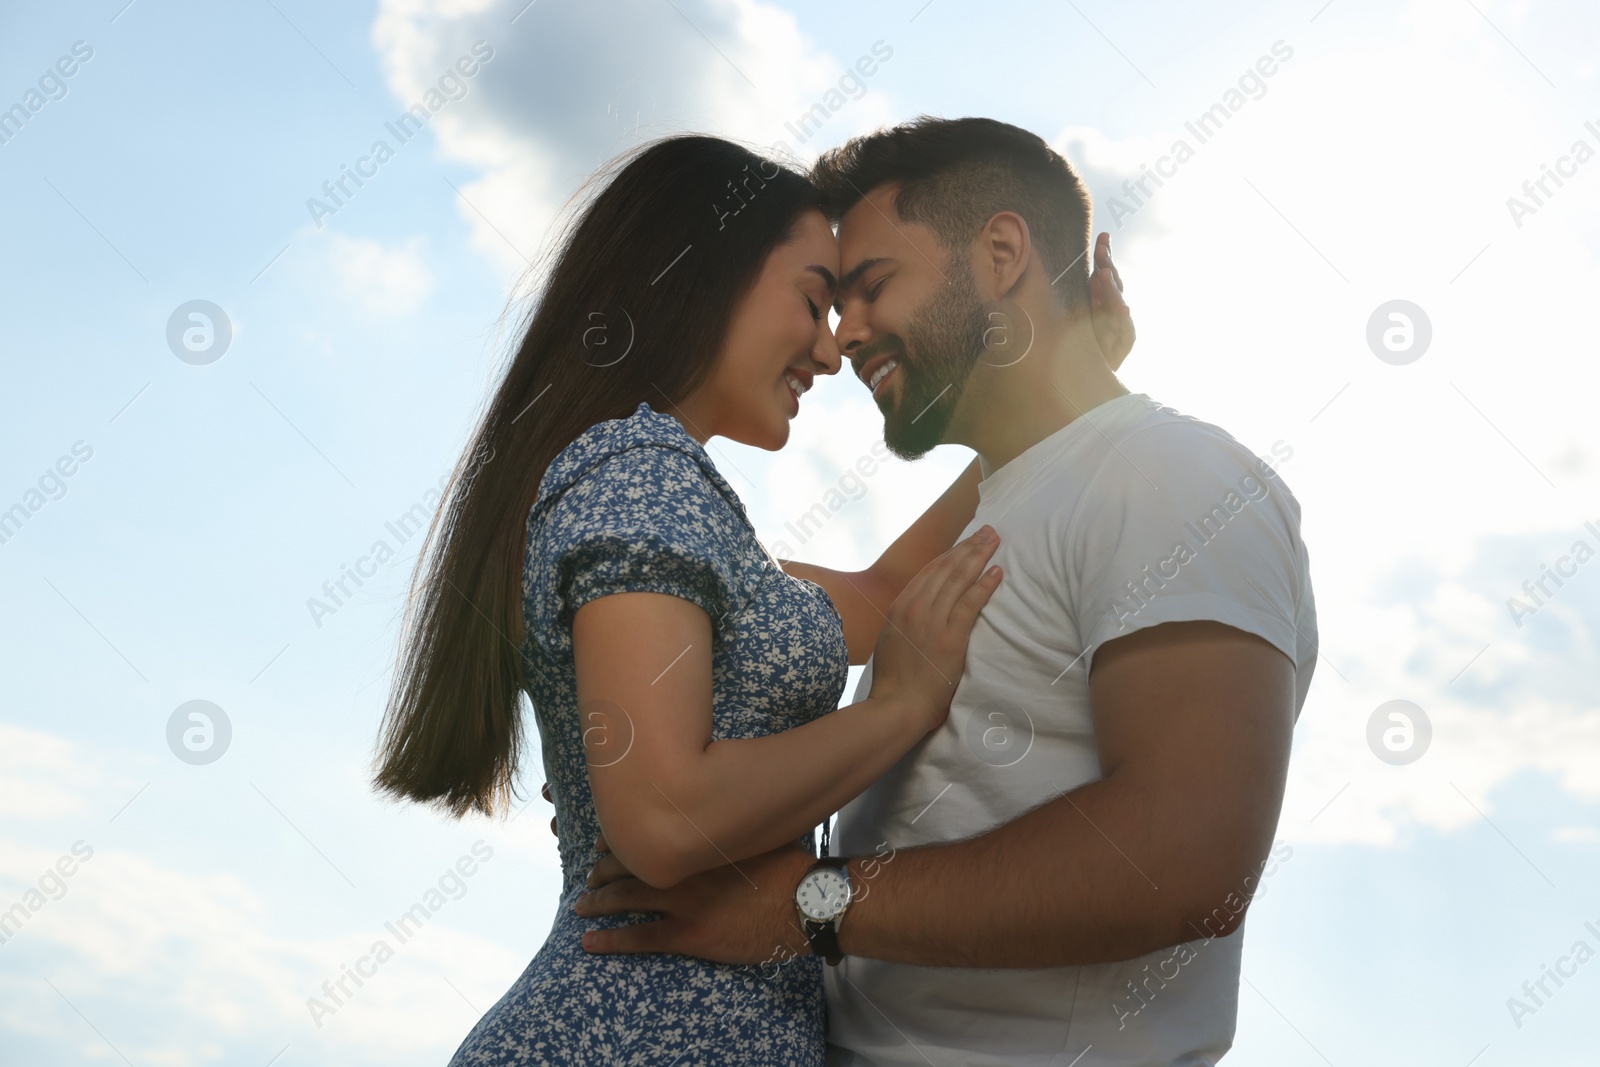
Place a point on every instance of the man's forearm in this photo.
(1193, 728)
(1092, 876)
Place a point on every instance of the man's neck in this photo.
(1004, 411)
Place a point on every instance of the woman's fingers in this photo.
(924, 586)
(544, 791)
(1102, 260)
(968, 560)
(925, 590)
(965, 611)
(1112, 319)
(609, 869)
(1106, 269)
(922, 648)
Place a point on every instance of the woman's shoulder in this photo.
(605, 440)
(645, 469)
(633, 505)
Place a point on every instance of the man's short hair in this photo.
(956, 174)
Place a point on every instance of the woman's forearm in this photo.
(673, 801)
(742, 797)
(863, 597)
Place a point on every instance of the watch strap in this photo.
(824, 941)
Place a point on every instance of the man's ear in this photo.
(1003, 248)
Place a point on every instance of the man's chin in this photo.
(912, 441)
(910, 455)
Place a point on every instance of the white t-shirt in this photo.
(1129, 516)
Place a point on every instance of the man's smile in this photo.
(877, 369)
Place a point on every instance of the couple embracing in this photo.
(1058, 781)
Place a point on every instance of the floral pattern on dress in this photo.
(635, 505)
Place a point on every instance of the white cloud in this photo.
(140, 942)
(43, 776)
(1253, 271)
(565, 91)
(386, 280)
(1576, 835)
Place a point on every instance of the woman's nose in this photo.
(825, 352)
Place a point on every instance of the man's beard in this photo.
(947, 334)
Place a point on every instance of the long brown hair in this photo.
(634, 305)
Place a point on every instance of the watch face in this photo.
(822, 894)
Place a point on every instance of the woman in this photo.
(684, 685)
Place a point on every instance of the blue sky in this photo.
(209, 502)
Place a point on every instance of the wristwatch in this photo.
(822, 897)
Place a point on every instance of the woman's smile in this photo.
(798, 382)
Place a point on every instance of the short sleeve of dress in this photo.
(646, 520)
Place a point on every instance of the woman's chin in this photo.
(770, 436)
(776, 438)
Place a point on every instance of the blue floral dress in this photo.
(635, 505)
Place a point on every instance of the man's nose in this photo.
(853, 331)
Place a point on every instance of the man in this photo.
(1059, 874)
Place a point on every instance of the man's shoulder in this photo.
(1160, 448)
(1178, 437)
